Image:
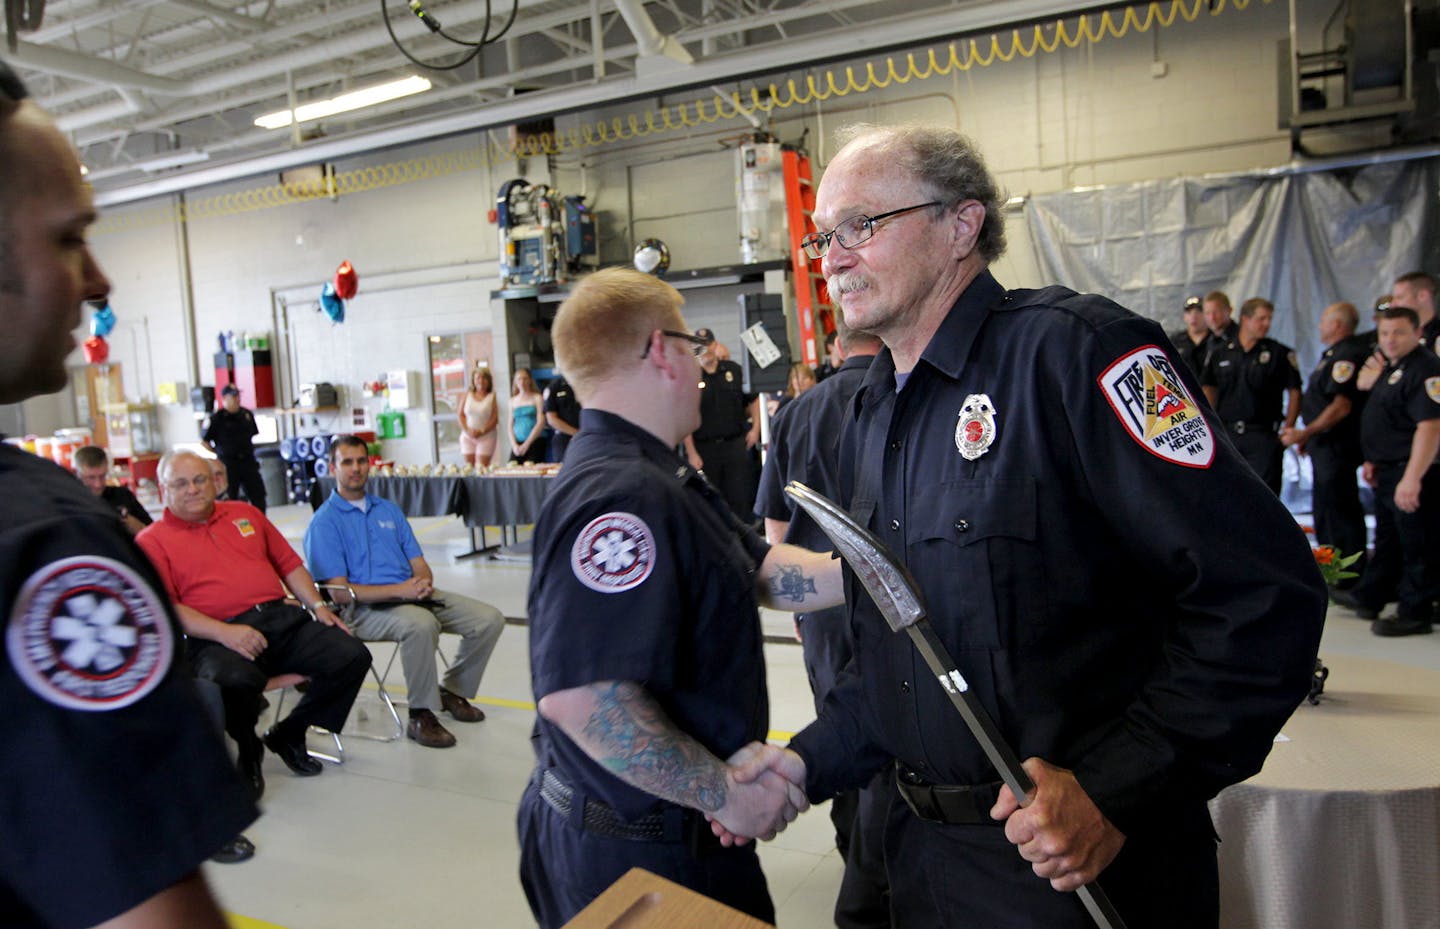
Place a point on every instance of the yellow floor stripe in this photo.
(245, 922)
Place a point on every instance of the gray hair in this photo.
(947, 165)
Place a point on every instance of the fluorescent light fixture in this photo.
(354, 100)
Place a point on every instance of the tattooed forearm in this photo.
(630, 735)
(790, 584)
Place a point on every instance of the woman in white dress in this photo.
(479, 420)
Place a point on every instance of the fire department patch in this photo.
(88, 633)
(976, 428)
(613, 553)
(1343, 371)
(1432, 388)
(1150, 401)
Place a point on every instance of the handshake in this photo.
(765, 792)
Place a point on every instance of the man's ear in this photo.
(966, 219)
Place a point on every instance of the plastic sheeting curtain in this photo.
(1303, 241)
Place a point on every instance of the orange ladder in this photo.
(811, 297)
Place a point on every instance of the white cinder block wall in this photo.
(426, 253)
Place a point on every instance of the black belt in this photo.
(1242, 427)
(948, 803)
(675, 824)
(728, 438)
(257, 608)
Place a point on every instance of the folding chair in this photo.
(328, 592)
(283, 683)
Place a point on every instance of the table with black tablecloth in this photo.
(505, 501)
(1341, 828)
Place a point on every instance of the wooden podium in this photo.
(641, 900)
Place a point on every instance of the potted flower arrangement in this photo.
(1334, 566)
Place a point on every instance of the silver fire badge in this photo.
(976, 430)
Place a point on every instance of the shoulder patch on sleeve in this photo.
(1432, 388)
(1150, 400)
(1342, 371)
(88, 633)
(613, 553)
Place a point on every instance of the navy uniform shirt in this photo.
(1335, 375)
(560, 399)
(114, 783)
(1430, 335)
(1190, 352)
(1365, 342)
(1251, 384)
(1048, 475)
(123, 502)
(231, 433)
(1408, 392)
(641, 574)
(804, 439)
(723, 403)
(1218, 340)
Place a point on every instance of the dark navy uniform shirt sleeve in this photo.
(612, 588)
(114, 782)
(1237, 651)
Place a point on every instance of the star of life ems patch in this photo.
(613, 553)
(88, 633)
(1149, 399)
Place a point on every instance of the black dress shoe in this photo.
(292, 753)
(1398, 627)
(235, 851)
(1348, 600)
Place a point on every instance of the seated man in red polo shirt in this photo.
(223, 565)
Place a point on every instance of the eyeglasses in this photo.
(199, 481)
(853, 231)
(697, 344)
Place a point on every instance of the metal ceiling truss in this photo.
(139, 83)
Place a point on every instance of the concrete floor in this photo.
(402, 836)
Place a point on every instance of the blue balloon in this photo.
(331, 303)
(103, 321)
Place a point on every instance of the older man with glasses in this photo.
(227, 570)
(1048, 476)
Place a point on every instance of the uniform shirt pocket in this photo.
(973, 543)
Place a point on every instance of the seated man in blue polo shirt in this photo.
(362, 540)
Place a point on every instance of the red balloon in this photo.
(97, 350)
(347, 282)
